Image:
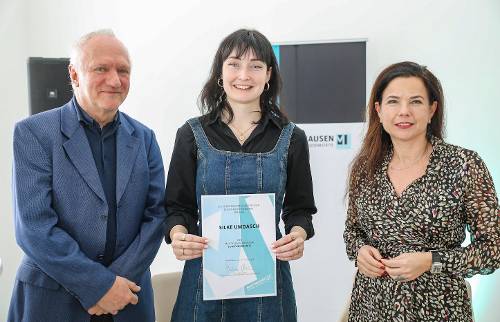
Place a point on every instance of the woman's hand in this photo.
(291, 246)
(187, 246)
(369, 262)
(408, 266)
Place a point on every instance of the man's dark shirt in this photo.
(103, 145)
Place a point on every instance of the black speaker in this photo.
(49, 83)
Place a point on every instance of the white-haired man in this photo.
(88, 188)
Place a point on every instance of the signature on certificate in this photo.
(239, 267)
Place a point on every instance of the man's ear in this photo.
(73, 75)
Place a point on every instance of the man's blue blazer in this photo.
(61, 217)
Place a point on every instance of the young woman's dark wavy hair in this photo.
(377, 141)
(212, 100)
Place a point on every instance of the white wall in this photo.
(172, 44)
(13, 106)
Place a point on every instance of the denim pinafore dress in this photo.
(223, 172)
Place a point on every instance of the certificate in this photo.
(238, 262)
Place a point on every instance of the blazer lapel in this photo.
(78, 149)
(127, 147)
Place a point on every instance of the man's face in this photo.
(102, 76)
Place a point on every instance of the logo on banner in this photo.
(343, 141)
(339, 141)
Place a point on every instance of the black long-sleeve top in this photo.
(180, 199)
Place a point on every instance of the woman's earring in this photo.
(220, 83)
(267, 86)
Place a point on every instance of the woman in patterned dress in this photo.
(411, 198)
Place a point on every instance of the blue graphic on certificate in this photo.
(238, 262)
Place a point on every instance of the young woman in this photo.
(242, 144)
(411, 198)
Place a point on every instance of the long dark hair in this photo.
(377, 141)
(212, 98)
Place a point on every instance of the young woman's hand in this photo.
(291, 246)
(187, 246)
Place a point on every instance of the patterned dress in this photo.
(456, 193)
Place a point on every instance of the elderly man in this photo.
(88, 188)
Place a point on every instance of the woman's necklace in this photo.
(241, 135)
(413, 163)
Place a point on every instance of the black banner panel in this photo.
(323, 83)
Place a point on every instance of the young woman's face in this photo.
(404, 110)
(244, 79)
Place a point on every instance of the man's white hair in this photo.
(77, 49)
